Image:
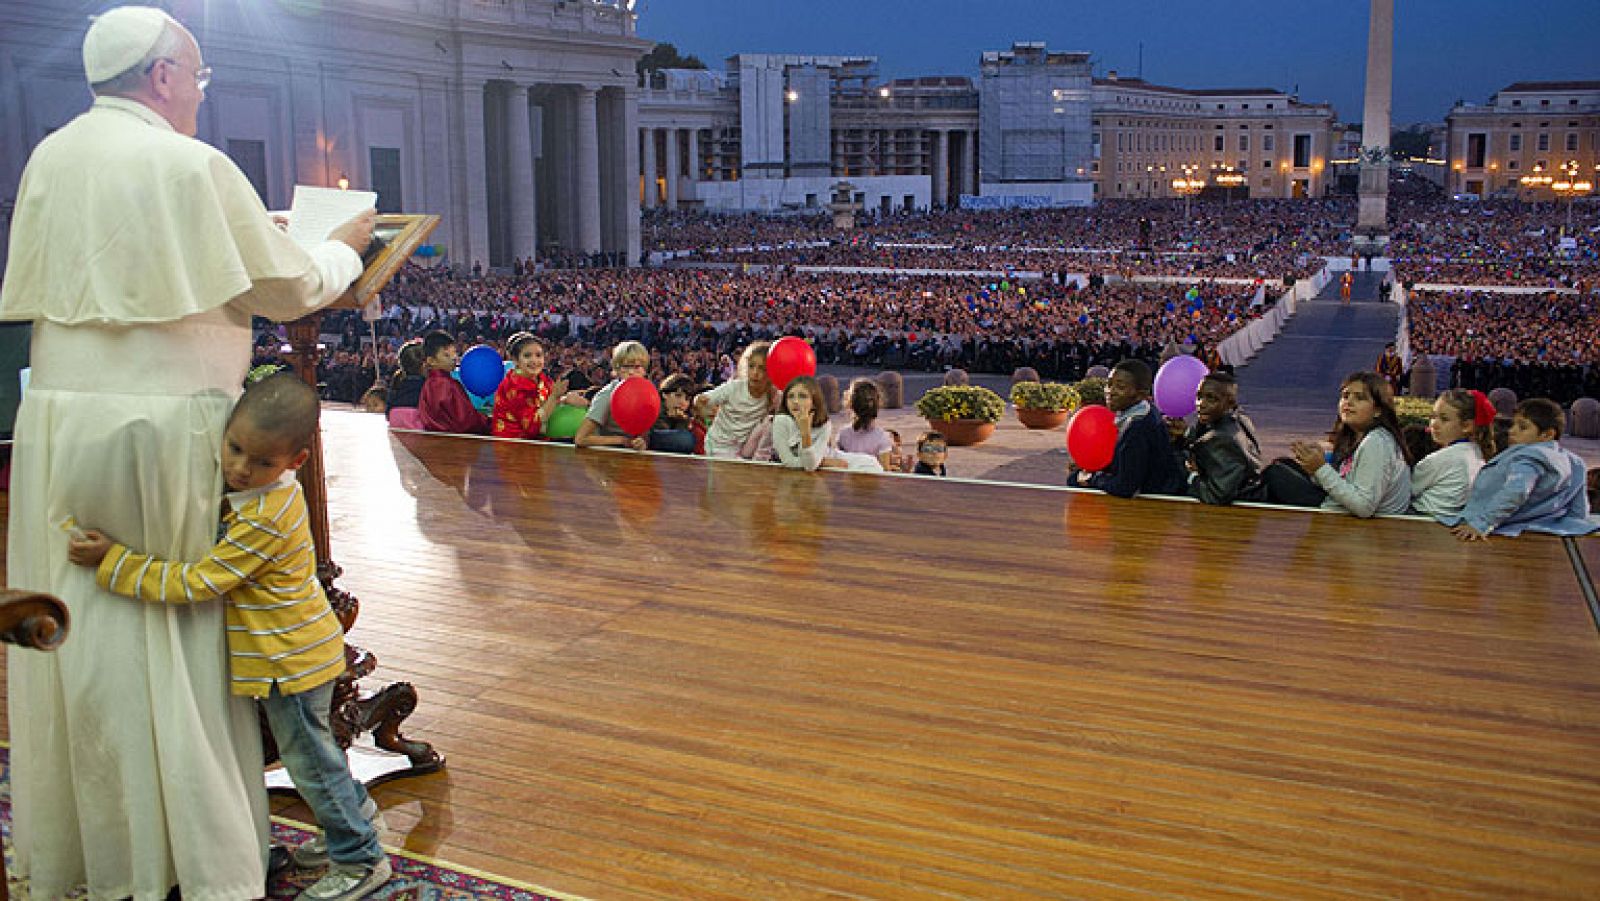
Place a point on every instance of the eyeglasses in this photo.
(202, 75)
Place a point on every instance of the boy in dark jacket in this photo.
(1143, 461)
(1223, 456)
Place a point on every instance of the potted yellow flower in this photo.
(1043, 405)
(963, 414)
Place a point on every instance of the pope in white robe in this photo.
(139, 254)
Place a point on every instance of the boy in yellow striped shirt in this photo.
(285, 645)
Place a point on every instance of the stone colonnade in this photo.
(554, 163)
(668, 156)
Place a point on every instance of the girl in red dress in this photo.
(526, 396)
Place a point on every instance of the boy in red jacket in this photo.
(444, 405)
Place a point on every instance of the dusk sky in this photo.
(1445, 50)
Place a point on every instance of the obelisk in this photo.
(1372, 221)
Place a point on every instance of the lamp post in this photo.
(1229, 179)
(1538, 179)
(1569, 186)
(1189, 185)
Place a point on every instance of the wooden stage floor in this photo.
(669, 678)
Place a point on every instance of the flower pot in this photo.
(1042, 419)
(962, 432)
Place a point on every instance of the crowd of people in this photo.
(1262, 239)
(694, 319)
(1494, 242)
(1539, 345)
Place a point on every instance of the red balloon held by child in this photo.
(1092, 437)
(788, 359)
(635, 405)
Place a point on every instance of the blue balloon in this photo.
(481, 370)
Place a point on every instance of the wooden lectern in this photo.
(380, 712)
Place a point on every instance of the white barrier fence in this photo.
(1238, 348)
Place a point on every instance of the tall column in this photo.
(649, 136)
(587, 187)
(970, 162)
(672, 168)
(628, 114)
(1372, 220)
(474, 177)
(941, 168)
(522, 210)
(697, 166)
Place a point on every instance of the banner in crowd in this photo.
(1006, 202)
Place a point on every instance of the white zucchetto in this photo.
(119, 38)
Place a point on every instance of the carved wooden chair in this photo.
(30, 620)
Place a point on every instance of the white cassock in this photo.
(139, 255)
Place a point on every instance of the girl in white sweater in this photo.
(1460, 425)
(800, 432)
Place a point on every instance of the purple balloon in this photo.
(1177, 383)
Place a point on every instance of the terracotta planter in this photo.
(1042, 419)
(962, 432)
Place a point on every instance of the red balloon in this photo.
(789, 359)
(1092, 437)
(635, 405)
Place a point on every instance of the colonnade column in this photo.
(697, 166)
(629, 164)
(475, 177)
(672, 168)
(521, 197)
(968, 162)
(941, 168)
(588, 166)
(649, 136)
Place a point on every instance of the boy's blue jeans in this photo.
(321, 774)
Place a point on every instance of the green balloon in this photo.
(564, 421)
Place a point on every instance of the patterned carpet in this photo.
(415, 878)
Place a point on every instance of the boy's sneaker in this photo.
(349, 881)
(314, 853)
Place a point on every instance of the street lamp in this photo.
(1189, 185)
(1567, 185)
(1229, 179)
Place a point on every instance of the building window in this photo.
(1477, 149)
(1244, 106)
(1572, 141)
(1511, 166)
(1544, 102)
(386, 178)
(1218, 147)
(1516, 143)
(1266, 142)
(1269, 106)
(1516, 103)
(1244, 143)
(1302, 151)
(1266, 164)
(1544, 141)
(251, 158)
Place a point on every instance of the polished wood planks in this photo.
(657, 677)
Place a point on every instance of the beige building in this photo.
(1529, 125)
(914, 143)
(1145, 135)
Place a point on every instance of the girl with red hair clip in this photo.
(1462, 427)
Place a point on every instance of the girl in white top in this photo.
(1460, 425)
(800, 432)
(740, 405)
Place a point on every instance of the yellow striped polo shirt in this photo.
(281, 629)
